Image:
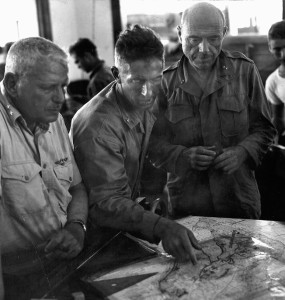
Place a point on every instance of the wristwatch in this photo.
(78, 222)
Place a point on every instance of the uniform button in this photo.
(70, 178)
(26, 177)
(44, 166)
(128, 120)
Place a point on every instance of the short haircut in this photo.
(82, 46)
(137, 43)
(24, 54)
(277, 31)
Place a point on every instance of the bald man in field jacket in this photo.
(213, 125)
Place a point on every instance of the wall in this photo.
(72, 19)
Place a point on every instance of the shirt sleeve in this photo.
(261, 130)
(270, 94)
(101, 162)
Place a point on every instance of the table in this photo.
(240, 259)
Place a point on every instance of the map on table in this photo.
(240, 259)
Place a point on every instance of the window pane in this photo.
(243, 16)
(18, 20)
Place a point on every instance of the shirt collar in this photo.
(12, 112)
(222, 66)
(97, 67)
(223, 72)
(131, 118)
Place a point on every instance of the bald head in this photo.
(201, 34)
(202, 15)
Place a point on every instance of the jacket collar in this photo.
(222, 73)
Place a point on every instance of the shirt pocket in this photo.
(23, 189)
(233, 114)
(182, 123)
(64, 174)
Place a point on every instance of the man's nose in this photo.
(204, 45)
(147, 89)
(282, 53)
(59, 96)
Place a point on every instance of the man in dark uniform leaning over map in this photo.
(213, 126)
(110, 136)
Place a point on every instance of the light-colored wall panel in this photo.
(72, 19)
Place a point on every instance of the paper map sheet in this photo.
(240, 259)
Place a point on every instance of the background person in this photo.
(4, 54)
(110, 136)
(275, 83)
(43, 201)
(213, 125)
(85, 56)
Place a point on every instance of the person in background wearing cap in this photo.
(213, 126)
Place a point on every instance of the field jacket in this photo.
(232, 111)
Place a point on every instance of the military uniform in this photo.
(232, 110)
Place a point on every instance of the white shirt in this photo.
(36, 172)
(275, 88)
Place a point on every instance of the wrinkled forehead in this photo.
(139, 65)
(203, 18)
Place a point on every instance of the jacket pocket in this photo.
(233, 114)
(23, 189)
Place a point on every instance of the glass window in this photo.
(18, 20)
(244, 17)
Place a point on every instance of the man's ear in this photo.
(10, 83)
(225, 30)
(115, 72)
(179, 33)
(269, 47)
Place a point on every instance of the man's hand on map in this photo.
(177, 240)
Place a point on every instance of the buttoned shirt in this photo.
(275, 88)
(110, 144)
(231, 110)
(36, 171)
